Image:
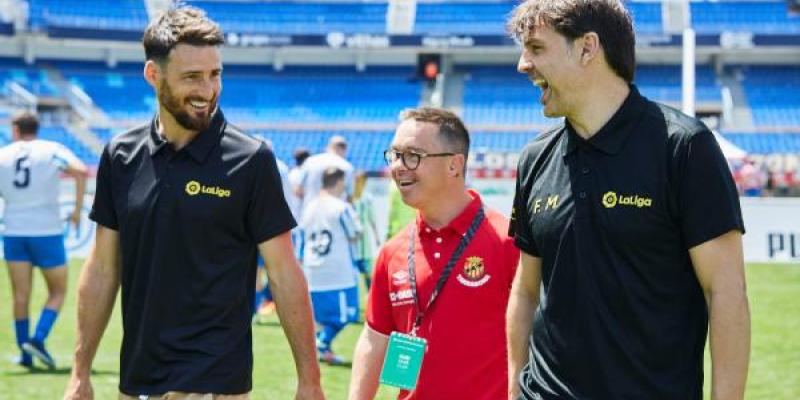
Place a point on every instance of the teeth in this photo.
(198, 104)
(540, 82)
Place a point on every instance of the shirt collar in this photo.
(460, 223)
(613, 135)
(200, 146)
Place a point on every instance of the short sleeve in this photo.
(103, 211)
(350, 222)
(268, 214)
(519, 226)
(63, 157)
(707, 198)
(349, 182)
(379, 308)
(512, 256)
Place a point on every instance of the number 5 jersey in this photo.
(29, 183)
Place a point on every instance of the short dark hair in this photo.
(26, 123)
(451, 130)
(331, 176)
(187, 25)
(573, 18)
(300, 155)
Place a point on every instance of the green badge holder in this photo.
(403, 361)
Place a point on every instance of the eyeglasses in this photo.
(410, 159)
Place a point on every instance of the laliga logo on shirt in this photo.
(193, 188)
(611, 200)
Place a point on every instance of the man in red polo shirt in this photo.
(464, 326)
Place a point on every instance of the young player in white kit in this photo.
(30, 171)
(329, 230)
(313, 168)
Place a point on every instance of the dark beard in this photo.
(184, 119)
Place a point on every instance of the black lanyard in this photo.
(445, 273)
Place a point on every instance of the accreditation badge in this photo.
(403, 360)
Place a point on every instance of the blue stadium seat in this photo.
(365, 150)
(31, 77)
(766, 143)
(766, 17)
(61, 135)
(128, 15)
(772, 94)
(121, 92)
(288, 18)
(319, 94)
(662, 83)
(500, 95)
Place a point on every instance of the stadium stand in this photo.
(663, 83)
(433, 17)
(98, 14)
(260, 94)
(61, 135)
(296, 17)
(318, 94)
(34, 79)
(303, 105)
(365, 148)
(121, 91)
(500, 141)
(500, 95)
(766, 143)
(768, 17)
(486, 18)
(772, 94)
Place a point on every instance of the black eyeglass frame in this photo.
(389, 153)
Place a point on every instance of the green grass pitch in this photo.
(774, 292)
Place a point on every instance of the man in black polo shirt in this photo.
(629, 223)
(183, 204)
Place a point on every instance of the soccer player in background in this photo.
(629, 225)
(312, 169)
(30, 170)
(183, 205)
(369, 241)
(300, 156)
(329, 229)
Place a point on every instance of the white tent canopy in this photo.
(730, 150)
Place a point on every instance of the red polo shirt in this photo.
(466, 356)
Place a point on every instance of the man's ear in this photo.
(152, 73)
(456, 165)
(589, 47)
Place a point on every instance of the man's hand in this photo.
(309, 392)
(79, 389)
(75, 218)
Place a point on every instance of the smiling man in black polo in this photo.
(629, 223)
(183, 204)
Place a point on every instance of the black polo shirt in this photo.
(621, 313)
(189, 222)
